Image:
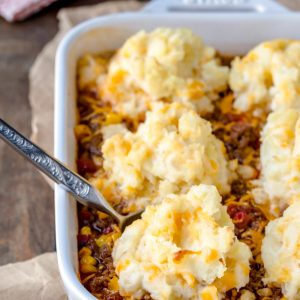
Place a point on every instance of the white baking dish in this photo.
(229, 33)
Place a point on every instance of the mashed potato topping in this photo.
(281, 251)
(90, 68)
(166, 64)
(183, 248)
(171, 151)
(280, 159)
(268, 77)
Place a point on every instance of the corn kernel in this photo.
(115, 236)
(85, 251)
(85, 230)
(112, 118)
(88, 260)
(102, 240)
(108, 239)
(82, 131)
(102, 215)
(88, 269)
(113, 284)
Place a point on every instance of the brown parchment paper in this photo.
(41, 76)
(35, 279)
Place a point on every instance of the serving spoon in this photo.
(72, 182)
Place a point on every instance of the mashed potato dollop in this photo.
(165, 64)
(268, 77)
(171, 151)
(280, 160)
(281, 252)
(183, 248)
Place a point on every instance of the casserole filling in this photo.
(156, 122)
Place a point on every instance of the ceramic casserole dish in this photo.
(230, 33)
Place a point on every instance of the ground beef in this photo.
(237, 133)
(114, 296)
(245, 216)
(238, 187)
(97, 283)
(243, 135)
(84, 108)
(95, 145)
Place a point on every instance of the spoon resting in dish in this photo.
(72, 182)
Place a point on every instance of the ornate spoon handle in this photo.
(72, 182)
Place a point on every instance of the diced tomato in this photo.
(232, 209)
(240, 215)
(241, 219)
(86, 165)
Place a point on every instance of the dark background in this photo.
(26, 200)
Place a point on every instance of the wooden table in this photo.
(26, 201)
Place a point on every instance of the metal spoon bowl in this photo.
(72, 182)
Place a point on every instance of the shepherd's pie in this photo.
(210, 156)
